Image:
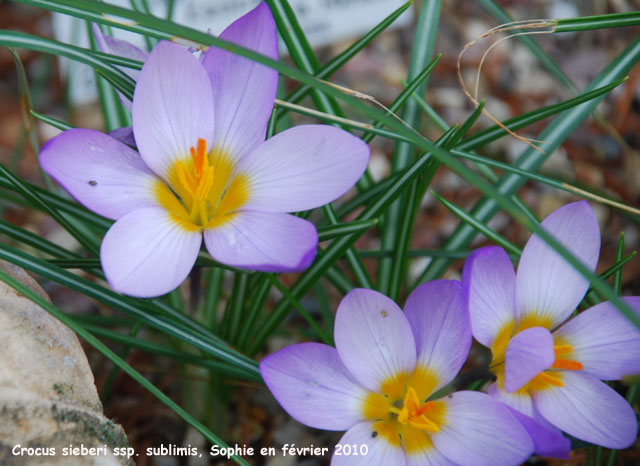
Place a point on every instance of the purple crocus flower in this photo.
(548, 370)
(204, 168)
(378, 381)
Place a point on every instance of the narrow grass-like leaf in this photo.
(236, 307)
(41, 202)
(41, 44)
(492, 133)
(212, 297)
(303, 312)
(340, 60)
(531, 160)
(480, 227)
(36, 241)
(128, 306)
(406, 93)
(135, 375)
(164, 351)
(424, 44)
(341, 229)
(61, 125)
(585, 23)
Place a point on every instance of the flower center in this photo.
(415, 413)
(203, 189)
(197, 182)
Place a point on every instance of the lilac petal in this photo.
(489, 284)
(243, 90)
(303, 167)
(428, 457)
(124, 135)
(528, 353)
(267, 242)
(172, 107)
(481, 431)
(440, 325)
(547, 286)
(379, 451)
(374, 339)
(311, 383)
(103, 174)
(548, 441)
(589, 410)
(145, 253)
(604, 341)
(122, 48)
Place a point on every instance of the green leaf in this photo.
(421, 53)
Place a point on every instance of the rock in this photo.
(48, 399)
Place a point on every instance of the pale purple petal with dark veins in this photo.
(528, 353)
(172, 107)
(547, 285)
(440, 325)
(489, 284)
(102, 173)
(481, 431)
(373, 338)
(311, 383)
(548, 440)
(589, 410)
(268, 242)
(145, 253)
(604, 341)
(243, 90)
(302, 168)
(379, 452)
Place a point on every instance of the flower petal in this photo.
(243, 90)
(172, 107)
(267, 242)
(548, 288)
(303, 167)
(441, 329)
(547, 440)
(379, 451)
(374, 340)
(528, 353)
(124, 135)
(428, 457)
(489, 283)
(604, 341)
(122, 48)
(479, 430)
(589, 410)
(146, 254)
(311, 383)
(102, 173)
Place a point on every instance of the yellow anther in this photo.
(414, 413)
(551, 379)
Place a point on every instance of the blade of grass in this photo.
(531, 160)
(480, 227)
(39, 201)
(27, 41)
(340, 60)
(129, 306)
(424, 44)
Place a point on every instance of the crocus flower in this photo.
(548, 370)
(378, 381)
(204, 168)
